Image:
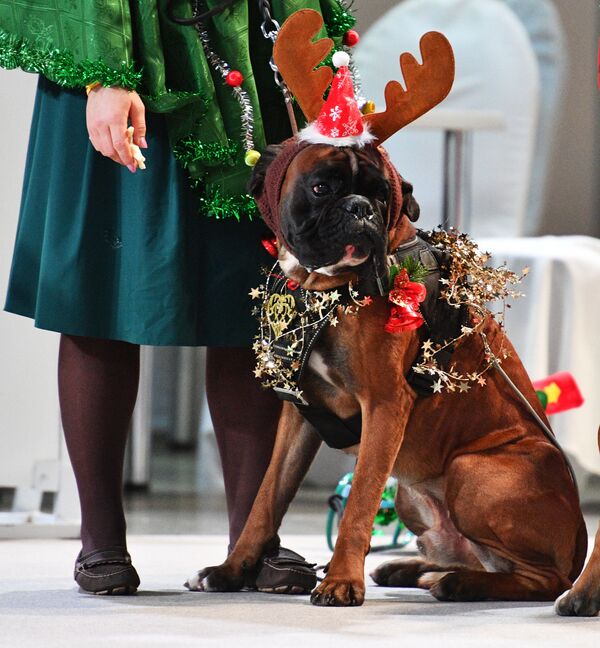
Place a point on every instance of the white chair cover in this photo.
(495, 70)
(554, 328)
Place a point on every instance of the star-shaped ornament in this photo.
(255, 293)
(437, 387)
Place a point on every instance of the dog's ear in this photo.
(410, 206)
(257, 178)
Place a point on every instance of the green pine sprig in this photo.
(417, 272)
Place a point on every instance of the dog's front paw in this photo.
(578, 602)
(220, 578)
(339, 592)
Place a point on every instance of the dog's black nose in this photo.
(359, 207)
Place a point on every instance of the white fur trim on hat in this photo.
(312, 135)
(340, 59)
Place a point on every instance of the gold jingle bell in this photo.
(368, 108)
(251, 157)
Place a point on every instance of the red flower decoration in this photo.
(405, 296)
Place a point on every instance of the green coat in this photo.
(135, 45)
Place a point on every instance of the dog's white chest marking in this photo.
(287, 261)
(317, 364)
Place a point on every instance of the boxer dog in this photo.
(488, 495)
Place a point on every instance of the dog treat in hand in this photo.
(135, 150)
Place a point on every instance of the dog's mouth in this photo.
(354, 255)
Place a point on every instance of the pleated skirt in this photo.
(104, 253)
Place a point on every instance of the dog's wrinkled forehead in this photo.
(347, 161)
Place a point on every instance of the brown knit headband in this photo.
(270, 197)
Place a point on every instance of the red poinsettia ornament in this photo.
(406, 295)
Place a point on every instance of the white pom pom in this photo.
(340, 59)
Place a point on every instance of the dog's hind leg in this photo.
(527, 585)
(442, 547)
(296, 445)
(518, 507)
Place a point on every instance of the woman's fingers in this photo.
(102, 142)
(107, 112)
(120, 143)
(137, 115)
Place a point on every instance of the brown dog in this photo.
(488, 495)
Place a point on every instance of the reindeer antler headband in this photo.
(296, 55)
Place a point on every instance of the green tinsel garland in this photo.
(215, 205)
(339, 21)
(60, 66)
(190, 149)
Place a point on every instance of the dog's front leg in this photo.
(382, 433)
(296, 444)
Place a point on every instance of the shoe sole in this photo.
(126, 590)
(284, 589)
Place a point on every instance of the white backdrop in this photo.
(30, 440)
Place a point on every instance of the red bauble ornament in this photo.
(234, 78)
(292, 285)
(351, 38)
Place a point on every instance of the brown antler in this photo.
(426, 86)
(296, 56)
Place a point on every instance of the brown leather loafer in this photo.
(283, 571)
(107, 571)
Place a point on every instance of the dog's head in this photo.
(332, 208)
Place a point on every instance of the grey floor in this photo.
(173, 532)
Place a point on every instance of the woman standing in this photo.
(113, 257)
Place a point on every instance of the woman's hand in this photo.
(108, 110)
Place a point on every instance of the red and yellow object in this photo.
(558, 392)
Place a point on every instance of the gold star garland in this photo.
(471, 284)
(282, 324)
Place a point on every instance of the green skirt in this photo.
(104, 253)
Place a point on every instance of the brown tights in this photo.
(98, 382)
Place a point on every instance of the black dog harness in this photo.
(441, 323)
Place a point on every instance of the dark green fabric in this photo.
(176, 76)
(103, 253)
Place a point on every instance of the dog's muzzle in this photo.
(345, 236)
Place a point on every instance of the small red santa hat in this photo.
(340, 121)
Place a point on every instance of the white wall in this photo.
(29, 419)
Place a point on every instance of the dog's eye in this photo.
(321, 189)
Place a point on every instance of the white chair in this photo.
(496, 70)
